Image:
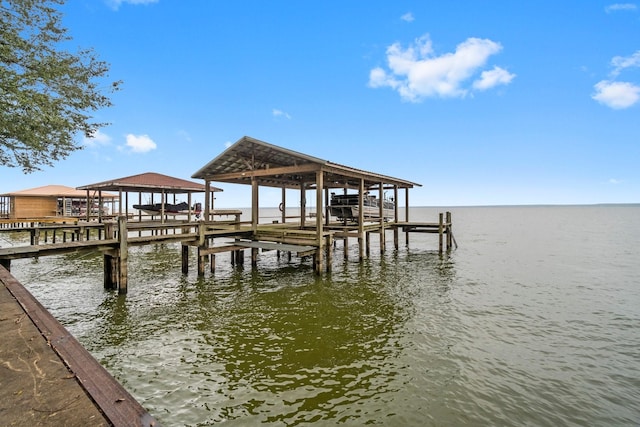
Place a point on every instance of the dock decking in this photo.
(113, 239)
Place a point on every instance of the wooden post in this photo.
(329, 252)
(213, 263)
(440, 231)
(406, 213)
(283, 206)
(448, 230)
(325, 210)
(395, 216)
(303, 203)
(381, 213)
(202, 259)
(254, 204)
(207, 200)
(368, 244)
(361, 238)
(319, 221)
(100, 203)
(346, 246)
(203, 243)
(254, 257)
(6, 263)
(108, 276)
(185, 259)
(88, 205)
(35, 235)
(123, 255)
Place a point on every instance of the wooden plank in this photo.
(276, 246)
(218, 249)
(17, 252)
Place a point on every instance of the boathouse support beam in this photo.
(254, 204)
(381, 213)
(123, 255)
(283, 205)
(207, 200)
(303, 202)
(361, 238)
(319, 222)
(88, 210)
(325, 210)
(406, 213)
(162, 202)
(395, 217)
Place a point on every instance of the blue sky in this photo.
(481, 102)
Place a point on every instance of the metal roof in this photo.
(56, 191)
(149, 182)
(275, 166)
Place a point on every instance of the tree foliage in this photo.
(47, 93)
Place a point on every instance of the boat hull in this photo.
(169, 209)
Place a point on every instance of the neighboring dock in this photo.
(47, 378)
(256, 164)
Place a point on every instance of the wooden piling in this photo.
(185, 259)
(202, 260)
(440, 231)
(449, 233)
(123, 254)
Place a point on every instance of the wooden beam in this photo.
(293, 170)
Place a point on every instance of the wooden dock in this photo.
(113, 239)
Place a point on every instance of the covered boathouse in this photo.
(164, 188)
(257, 163)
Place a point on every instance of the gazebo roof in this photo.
(55, 191)
(275, 166)
(149, 182)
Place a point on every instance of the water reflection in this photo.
(275, 344)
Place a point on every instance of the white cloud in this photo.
(615, 181)
(228, 144)
(140, 143)
(616, 95)
(280, 113)
(492, 78)
(416, 73)
(620, 6)
(407, 17)
(619, 63)
(98, 138)
(115, 4)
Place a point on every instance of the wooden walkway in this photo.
(112, 239)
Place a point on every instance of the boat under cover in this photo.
(346, 207)
(169, 208)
